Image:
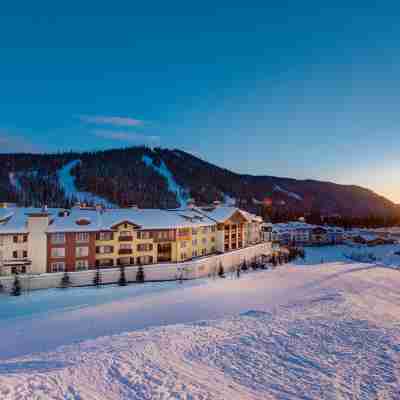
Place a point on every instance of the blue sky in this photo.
(291, 89)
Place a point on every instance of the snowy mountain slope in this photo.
(13, 177)
(67, 182)
(326, 341)
(181, 193)
(166, 178)
(290, 194)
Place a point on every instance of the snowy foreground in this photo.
(323, 331)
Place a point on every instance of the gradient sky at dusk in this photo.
(291, 89)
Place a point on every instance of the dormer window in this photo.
(83, 221)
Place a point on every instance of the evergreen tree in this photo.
(140, 275)
(122, 277)
(97, 281)
(221, 272)
(16, 290)
(65, 281)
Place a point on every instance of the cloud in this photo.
(12, 143)
(126, 136)
(110, 120)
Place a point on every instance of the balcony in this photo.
(125, 251)
(125, 238)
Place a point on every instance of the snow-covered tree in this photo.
(122, 277)
(65, 281)
(16, 290)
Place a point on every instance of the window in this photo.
(143, 235)
(57, 238)
(194, 253)
(82, 251)
(24, 254)
(194, 231)
(105, 262)
(183, 256)
(205, 229)
(82, 236)
(20, 269)
(144, 260)
(213, 249)
(125, 233)
(15, 254)
(204, 240)
(212, 239)
(58, 252)
(194, 242)
(25, 238)
(203, 252)
(213, 228)
(15, 239)
(145, 247)
(183, 245)
(81, 265)
(57, 267)
(104, 236)
(125, 246)
(104, 249)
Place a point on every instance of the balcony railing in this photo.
(125, 251)
(125, 238)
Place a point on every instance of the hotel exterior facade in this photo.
(38, 241)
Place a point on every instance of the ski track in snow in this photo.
(173, 186)
(318, 331)
(13, 178)
(290, 194)
(67, 182)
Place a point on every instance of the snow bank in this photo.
(67, 182)
(327, 342)
(181, 193)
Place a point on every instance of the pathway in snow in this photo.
(327, 332)
(67, 181)
(173, 186)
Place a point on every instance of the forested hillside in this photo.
(167, 179)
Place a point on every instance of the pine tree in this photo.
(97, 278)
(140, 275)
(65, 281)
(16, 290)
(122, 277)
(221, 272)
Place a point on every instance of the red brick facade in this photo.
(70, 244)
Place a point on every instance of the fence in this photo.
(157, 272)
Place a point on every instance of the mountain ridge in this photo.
(164, 178)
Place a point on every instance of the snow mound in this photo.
(67, 182)
(182, 195)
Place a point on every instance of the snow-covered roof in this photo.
(222, 213)
(144, 218)
(15, 219)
